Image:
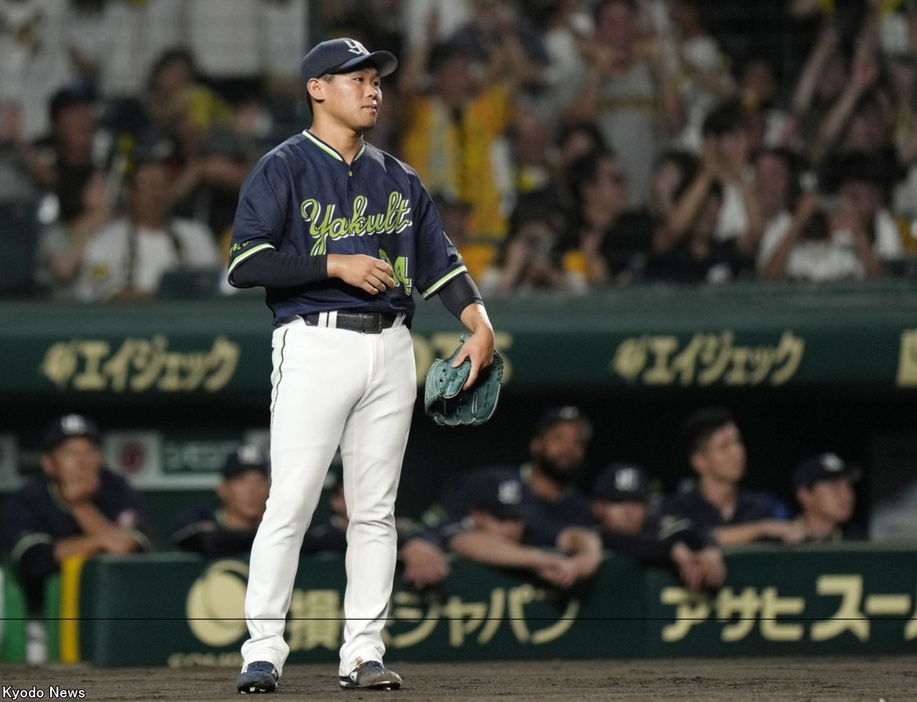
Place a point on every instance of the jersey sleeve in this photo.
(24, 536)
(439, 262)
(261, 214)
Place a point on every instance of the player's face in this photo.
(831, 500)
(722, 457)
(560, 450)
(77, 458)
(353, 99)
(626, 517)
(245, 495)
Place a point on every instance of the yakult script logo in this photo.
(324, 224)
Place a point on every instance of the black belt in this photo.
(364, 322)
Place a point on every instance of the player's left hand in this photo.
(479, 347)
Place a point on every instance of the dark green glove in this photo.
(445, 401)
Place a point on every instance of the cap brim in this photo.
(384, 61)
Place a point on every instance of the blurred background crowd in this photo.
(570, 144)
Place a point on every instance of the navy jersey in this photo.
(701, 515)
(545, 519)
(303, 199)
(34, 518)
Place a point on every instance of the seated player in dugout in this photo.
(73, 507)
(497, 528)
(621, 496)
(827, 499)
(719, 503)
(231, 527)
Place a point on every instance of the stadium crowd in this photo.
(569, 144)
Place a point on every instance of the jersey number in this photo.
(400, 267)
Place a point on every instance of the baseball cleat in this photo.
(372, 675)
(259, 676)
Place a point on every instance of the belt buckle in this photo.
(371, 323)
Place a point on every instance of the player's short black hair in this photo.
(700, 425)
(328, 77)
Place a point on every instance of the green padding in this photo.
(654, 336)
(179, 610)
(15, 617)
(12, 639)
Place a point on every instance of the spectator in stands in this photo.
(817, 88)
(175, 92)
(529, 257)
(726, 130)
(127, 259)
(826, 497)
(573, 141)
(629, 91)
(779, 182)
(600, 247)
(701, 68)
(825, 242)
(231, 527)
(62, 244)
(63, 161)
(456, 116)
(865, 180)
(494, 523)
(214, 161)
(620, 497)
(848, 237)
(758, 90)
(564, 24)
(74, 507)
(718, 504)
(691, 245)
(859, 120)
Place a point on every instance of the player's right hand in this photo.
(372, 275)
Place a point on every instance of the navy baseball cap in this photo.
(70, 426)
(824, 466)
(620, 482)
(567, 413)
(245, 458)
(502, 497)
(341, 56)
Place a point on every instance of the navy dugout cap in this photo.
(245, 458)
(503, 498)
(556, 415)
(824, 466)
(621, 482)
(341, 56)
(68, 427)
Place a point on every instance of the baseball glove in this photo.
(445, 401)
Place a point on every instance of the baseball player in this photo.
(340, 235)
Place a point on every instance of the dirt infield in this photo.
(892, 679)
